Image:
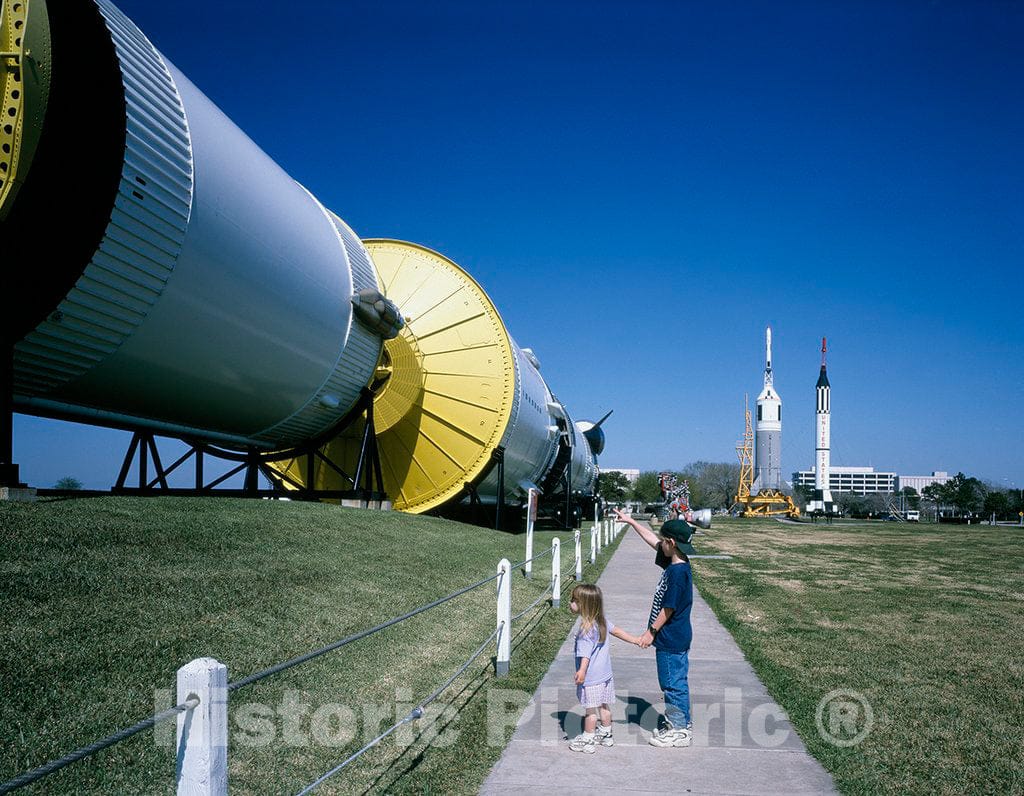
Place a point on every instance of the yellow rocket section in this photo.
(444, 387)
(24, 90)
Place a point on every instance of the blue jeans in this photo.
(673, 668)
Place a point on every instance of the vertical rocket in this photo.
(822, 500)
(768, 456)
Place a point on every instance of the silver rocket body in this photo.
(218, 304)
(768, 450)
(822, 499)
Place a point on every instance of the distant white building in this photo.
(631, 474)
(865, 481)
(919, 482)
(862, 480)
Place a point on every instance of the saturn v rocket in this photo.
(822, 499)
(768, 456)
(162, 274)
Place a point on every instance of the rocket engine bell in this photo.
(170, 275)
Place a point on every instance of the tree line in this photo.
(973, 496)
(713, 486)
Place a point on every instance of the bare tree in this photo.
(713, 484)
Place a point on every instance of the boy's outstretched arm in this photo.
(618, 632)
(581, 675)
(646, 533)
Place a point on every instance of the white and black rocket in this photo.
(821, 502)
(768, 456)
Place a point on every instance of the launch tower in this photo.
(759, 492)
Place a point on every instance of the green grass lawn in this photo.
(104, 599)
(926, 621)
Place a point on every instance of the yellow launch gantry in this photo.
(767, 502)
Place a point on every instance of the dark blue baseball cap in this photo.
(681, 532)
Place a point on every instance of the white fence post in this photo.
(202, 768)
(593, 543)
(556, 573)
(504, 621)
(531, 518)
(577, 543)
(528, 567)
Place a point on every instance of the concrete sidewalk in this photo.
(743, 743)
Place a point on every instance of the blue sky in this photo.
(642, 187)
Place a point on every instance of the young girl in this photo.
(594, 686)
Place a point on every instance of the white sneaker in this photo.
(584, 742)
(603, 736)
(671, 736)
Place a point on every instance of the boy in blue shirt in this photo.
(668, 627)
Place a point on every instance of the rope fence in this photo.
(522, 564)
(535, 603)
(414, 714)
(202, 749)
(356, 636)
(87, 751)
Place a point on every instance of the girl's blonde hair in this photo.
(590, 603)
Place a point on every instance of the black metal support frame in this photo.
(367, 483)
(569, 520)
(498, 457)
(477, 507)
(9, 476)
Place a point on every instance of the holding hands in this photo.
(630, 638)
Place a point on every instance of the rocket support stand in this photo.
(367, 483)
(11, 487)
(8, 469)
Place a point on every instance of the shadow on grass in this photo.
(392, 774)
(410, 760)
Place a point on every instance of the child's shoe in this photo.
(603, 736)
(671, 736)
(584, 742)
